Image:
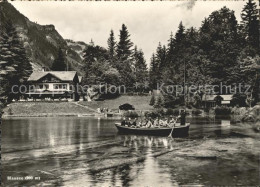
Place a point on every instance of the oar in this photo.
(170, 135)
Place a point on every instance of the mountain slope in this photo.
(40, 41)
(78, 47)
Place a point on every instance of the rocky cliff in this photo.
(42, 41)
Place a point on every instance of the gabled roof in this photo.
(62, 75)
(227, 97)
(208, 97)
(212, 97)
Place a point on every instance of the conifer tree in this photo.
(140, 66)
(124, 54)
(250, 24)
(153, 72)
(180, 33)
(161, 55)
(152, 101)
(124, 45)
(159, 102)
(15, 65)
(19, 58)
(59, 63)
(111, 45)
(170, 50)
(5, 65)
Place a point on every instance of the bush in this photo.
(252, 114)
(239, 100)
(196, 112)
(222, 110)
(239, 111)
(169, 112)
(130, 114)
(155, 113)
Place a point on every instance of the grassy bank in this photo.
(44, 109)
(139, 102)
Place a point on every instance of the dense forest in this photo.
(221, 50)
(121, 63)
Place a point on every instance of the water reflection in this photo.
(51, 132)
(138, 142)
(66, 148)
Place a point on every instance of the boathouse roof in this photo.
(126, 106)
(213, 97)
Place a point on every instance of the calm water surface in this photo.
(61, 151)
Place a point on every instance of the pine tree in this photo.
(170, 51)
(159, 102)
(140, 66)
(180, 33)
(15, 65)
(59, 63)
(19, 58)
(5, 65)
(250, 25)
(161, 57)
(140, 70)
(152, 101)
(111, 45)
(124, 62)
(153, 72)
(179, 44)
(124, 46)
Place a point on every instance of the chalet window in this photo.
(60, 86)
(46, 86)
(56, 86)
(41, 86)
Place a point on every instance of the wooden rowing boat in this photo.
(178, 130)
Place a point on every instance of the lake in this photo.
(74, 151)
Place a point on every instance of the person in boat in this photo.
(142, 123)
(172, 121)
(134, 123)
(128, 123)
(164, 123)
(149, 123)
(139, 125)
(182, 117)
(123, 122)
(161, 122)
(156, 122)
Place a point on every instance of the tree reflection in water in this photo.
(68, 148)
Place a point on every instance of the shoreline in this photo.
(49, 115)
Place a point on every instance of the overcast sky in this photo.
(148, 22)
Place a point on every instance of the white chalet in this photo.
(54, 84)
